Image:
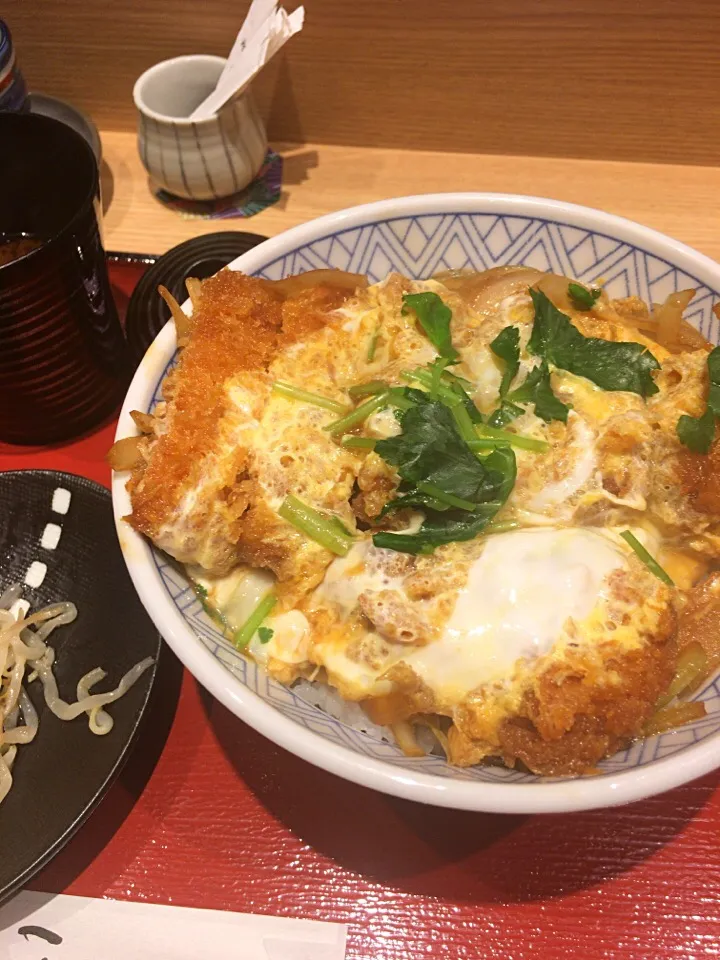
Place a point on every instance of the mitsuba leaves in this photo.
(610, 365)
(713, 364)
(583, 298)
(698, 433)
(431, 451)
(536, 389)
(434, 317)
(506, 345)
(505, 414)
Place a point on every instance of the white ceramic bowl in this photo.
(419, 236)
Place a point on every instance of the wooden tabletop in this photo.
(681, 201)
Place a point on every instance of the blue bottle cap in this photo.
(13, 92)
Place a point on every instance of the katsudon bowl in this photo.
(418, 237)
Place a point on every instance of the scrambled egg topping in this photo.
(548, 641)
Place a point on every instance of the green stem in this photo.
(323, 530)
(424, 377)
(398, 398)
(438, 368)
(295, 393)
(465, 426)
(248, 630)
(368, 389)
(373, 345)
(488, 443)
(647, 558)
(359, 414)
(449, 498)
(502, 526)
(362, 443)
(514, 439)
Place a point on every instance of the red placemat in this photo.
(207, 813)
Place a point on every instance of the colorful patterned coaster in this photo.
(263, 192)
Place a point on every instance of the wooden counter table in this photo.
(682, 201)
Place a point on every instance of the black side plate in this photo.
(62, 775)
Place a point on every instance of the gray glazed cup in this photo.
(197, 160)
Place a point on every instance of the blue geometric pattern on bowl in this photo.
(419, 246)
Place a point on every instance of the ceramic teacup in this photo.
(198, 160)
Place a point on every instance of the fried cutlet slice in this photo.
(191, 488)
(188, 489)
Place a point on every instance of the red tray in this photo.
(207, 813)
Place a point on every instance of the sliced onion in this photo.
(691, 339)
(405, 737)
(484, 291)
(667, 319)
(194, 289)
(125, 454)
(672, 717)
(555, 288)
(145, 422)
(183, 324)
(292, 286)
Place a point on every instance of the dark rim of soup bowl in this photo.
(55, 129)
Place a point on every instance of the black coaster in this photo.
(200, 257)
(61, 775)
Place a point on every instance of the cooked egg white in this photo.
(578, 467)
(519, 594)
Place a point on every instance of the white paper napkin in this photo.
(265, 31)
(41, 926)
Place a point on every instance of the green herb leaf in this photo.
(213, 612)
(647, 558)
(265, 634)
(713, 364)
(506, 345)
(697, 433)
(402, 398)
(584, 298)
(468, 404)
(450, 376)
(536, 389)
(454, 525)
(612, 366)
(431, 450)
(434, 532)
(459, 491)
(505, 414)
(434, 317)
(448, 499)
(451, 389)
